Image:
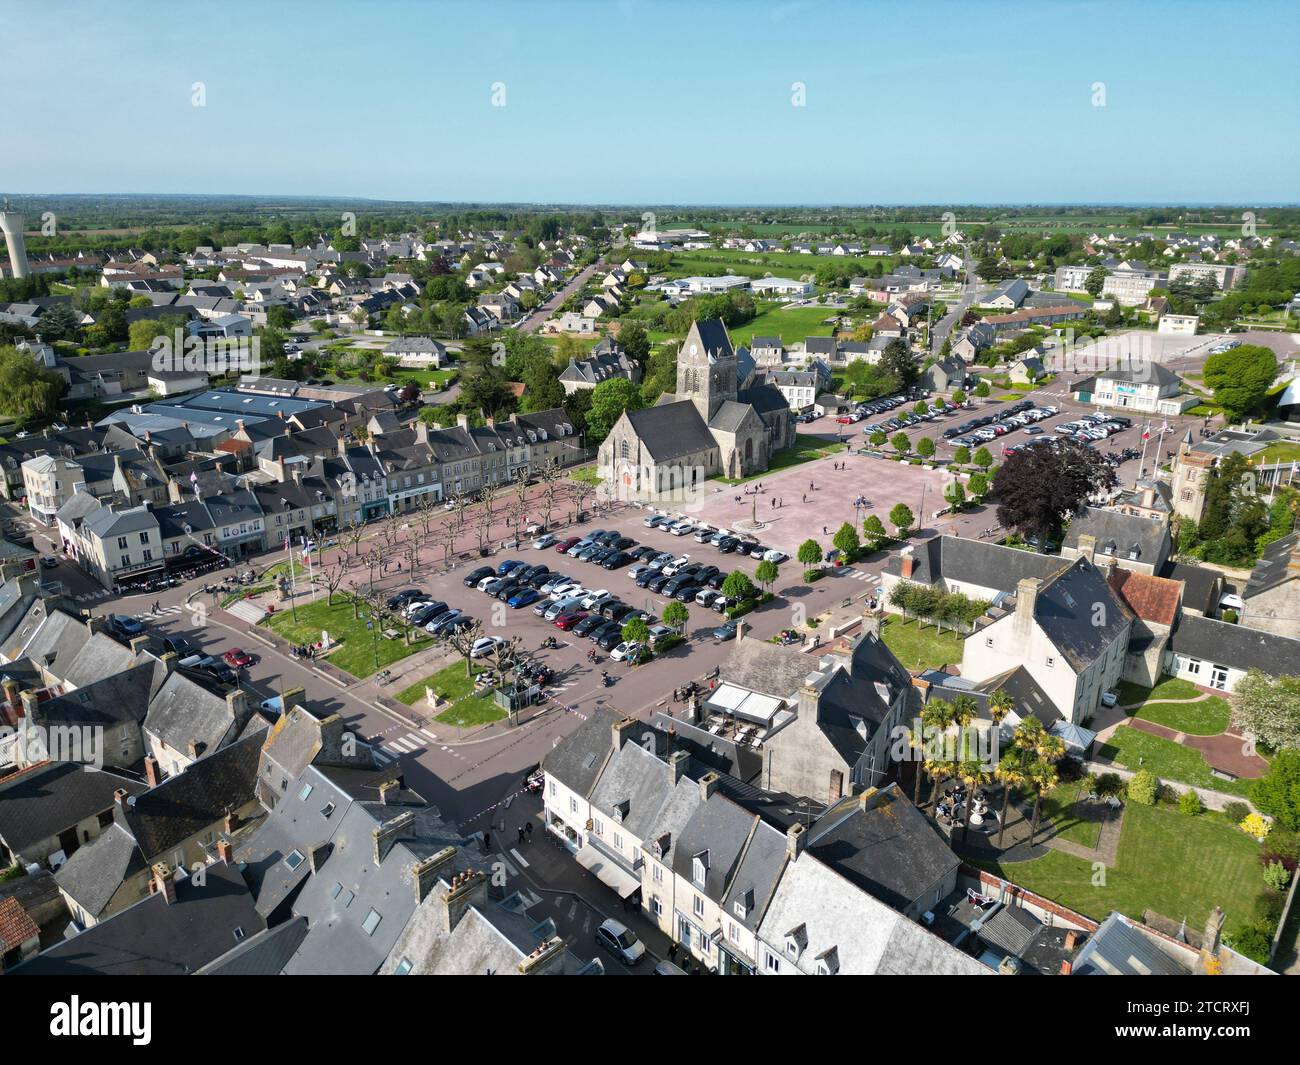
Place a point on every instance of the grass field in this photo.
(1158, 850)
(920, 648)
(1208, 717)
(1134, 749)
(454, 684)
(1059, 811)
(359, 646)
(791, 324)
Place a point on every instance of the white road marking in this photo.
(519, 857)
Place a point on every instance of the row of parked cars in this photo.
(726, 542)
(595, 613)
(1092, 427)
(887, 403)
(986, 429)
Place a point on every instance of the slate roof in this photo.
(1201, 584)
(1120, 534)
(1119, 949)
(97, 870)
(578, 762)
(890, 849)
(155, 938)
(1274, 566)
(43, 801)
(717, 831)
(208, 789)
(1066, 610)
(1234, 645)
(767, 668)
(264, 954)
(184, 711)
(756, 877)
(974, 562)
(671, 430)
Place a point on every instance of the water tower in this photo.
(11, 225)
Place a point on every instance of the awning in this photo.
(613, 876)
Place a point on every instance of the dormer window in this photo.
(795, 940)
(700, 867)
(828, 962)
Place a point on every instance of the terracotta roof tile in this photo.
(16, 927)
(1150, 598)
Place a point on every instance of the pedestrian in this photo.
(528, 831)
(521, 835)
(823, 530)
(805, 497)
(487, 840)
(672, 952)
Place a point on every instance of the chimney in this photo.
(677, 766)
(163, 882)
(29, 700)
(122, 799)
(237, 703)
(226, 851)
(1088, 547)
(1071, 939)
(1026, 600)
(741, 627)
(621, 729)
(545, 960)
(421, 432)
(1213, 929)
(231, 822)
(196, 748)
(317, 855)
(11, 691)
(385, 835)
(869, 799)
(1148, 496)
(708, 785)
(95, 624)
(808, 700)
(462, 420)
(152, 773)
(465, 890)
(138, 644)
(907, 562)
(425, 874)
(796, 837)
(1066, 968)
(388, 791)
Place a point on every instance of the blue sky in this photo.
(635, 101)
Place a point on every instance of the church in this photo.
(724, 420)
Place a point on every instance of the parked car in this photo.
(588, 625)
(625, 651)
(617, 560)
(448, 622)
(679, 563)
(523, 597)
(724, 632)
(682, 527)
(121, 625)
(567, 620)
(568, 542)
(485, 645)
(608, 636)
(544, 541)
(402, 597)
(656, 520)
(473, 577)
(238, 658)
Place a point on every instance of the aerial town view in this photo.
(577, 505)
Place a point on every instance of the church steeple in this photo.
(707, 367)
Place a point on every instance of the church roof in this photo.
(671, 430)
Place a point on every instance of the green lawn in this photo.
(791, 324)
(358, 649)
(1179, 866)
(1168, 760)
(1208, 717)
(453, 683)
(1282, 452)
(804, 449)
(920, 648)
(1059, 810)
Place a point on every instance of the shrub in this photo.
(1144, 788)
(1236, 812)
(1277, 875)
(1253, 942)
(1189, 803)
(1255, 825)
(810, 575)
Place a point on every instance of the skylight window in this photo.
(295, 859)
(371, 922)
(306, 791)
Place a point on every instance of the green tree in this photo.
(978, 486)
(846, 542)
(1277, 793)
(925, 447)
(766, 573)
(1268, 708)
(636, 631)
(983, 458)
(1241, 378)
(1094, 281)
(634, 339)
(27, 388)
(609, 400)
(809, 553)
(982, 389)
(1038, 487)
(738, 586)
(878, 438)
(897, 361)
(901, 518)
(874, 530)
(961, 455)
(676, 615)
(959, 397)
(955, 495)
(901, 443)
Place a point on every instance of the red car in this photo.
(567, 621)
(237, 658)
(566, 543)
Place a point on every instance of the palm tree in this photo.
(940, 769)
(1000, 704)
(1011, 774)
(973, 773)
(964, 711)
(936, 719)
(1042, 778)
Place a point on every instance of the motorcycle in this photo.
(607, 680)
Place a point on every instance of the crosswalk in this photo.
(860, 575)
(161, 612)
(93, 597)
(390, 749)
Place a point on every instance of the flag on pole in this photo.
(1146, 432)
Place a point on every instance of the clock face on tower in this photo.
(695, 349)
